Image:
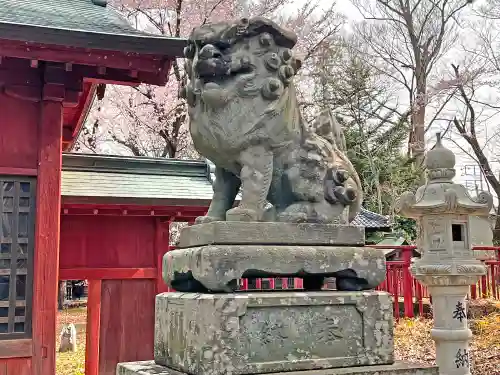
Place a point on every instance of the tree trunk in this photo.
(61, 295)
(496, 231)
(418, 122)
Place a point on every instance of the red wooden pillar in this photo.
(93, 327)
(162, 244)
(46, 256)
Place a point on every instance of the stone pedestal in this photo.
(399, 368)
(213, 256)
(254, 333)
(248, 333)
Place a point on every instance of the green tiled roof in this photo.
(78, 23)
(135, 179)
(123, 185)
(81, 15)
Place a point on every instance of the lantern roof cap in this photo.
(440, 195)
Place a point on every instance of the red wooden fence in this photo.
(401, 284)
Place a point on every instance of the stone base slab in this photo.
(217, 268)
(239, 233)
(256, 333)
(399, 368)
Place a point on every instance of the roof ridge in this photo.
(84, 155)
(374, 214)
(134, 165)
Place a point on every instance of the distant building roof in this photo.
(140, 180)
(369, 219)
(79, 23)
(393, 241)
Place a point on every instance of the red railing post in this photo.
(484, 286)
(473, 291)
(395, 288)
(407, 282)
(494, 276)
(418, 292)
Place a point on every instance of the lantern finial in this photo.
(440, 161)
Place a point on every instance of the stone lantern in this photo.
(443, 211)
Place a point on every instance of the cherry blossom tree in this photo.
(151, 121)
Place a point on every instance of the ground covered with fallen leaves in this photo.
(411, 338)
(72, 363)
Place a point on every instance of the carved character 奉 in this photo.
(244, 116)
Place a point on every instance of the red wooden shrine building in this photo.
(54, 55)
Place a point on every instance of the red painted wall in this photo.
(16, 366)
(18, 132)
(107, 242)
(127, 323)
(115, 242)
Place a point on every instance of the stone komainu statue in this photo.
(244, 116)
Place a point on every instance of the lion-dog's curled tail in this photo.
(342, 183)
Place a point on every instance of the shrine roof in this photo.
(140, 180)
(369, 219)
(115, 179)
(79, 23)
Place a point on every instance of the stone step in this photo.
(399, 368)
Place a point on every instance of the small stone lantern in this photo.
(447, 267)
